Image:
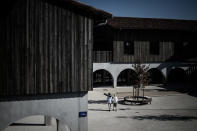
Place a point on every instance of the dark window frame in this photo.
(154, 48)
(129, 48)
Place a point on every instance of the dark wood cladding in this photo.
(102, 56)
(141, 52)
(171, 44)
(13, 50)
(47, 50)
(167, 40)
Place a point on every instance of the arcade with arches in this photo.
(177, 75)
(126, 77)
(156, 76)
(102, 78)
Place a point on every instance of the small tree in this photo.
(142, 78)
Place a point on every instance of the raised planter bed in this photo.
(137, 100)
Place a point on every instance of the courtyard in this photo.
(170, 110)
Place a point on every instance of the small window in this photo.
(129, 48)
(154, 48)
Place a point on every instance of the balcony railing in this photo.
(102, 56)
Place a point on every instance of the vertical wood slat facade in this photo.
(102, 56)
(168, 33)
(48, 50)
(141, 52)
(142, 40)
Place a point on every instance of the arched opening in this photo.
(102, 78)
(193, 77)
(35, 123)
(156, 76)
(177, 75)
(126, 78)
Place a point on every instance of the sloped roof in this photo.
(152, 23)
(72, 5)
(82, 8)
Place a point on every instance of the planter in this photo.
(137, 100)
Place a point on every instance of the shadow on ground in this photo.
(160, 117)
(97, 110)
(97, 102)
(182, 88)
(25, 124)
(124, 109)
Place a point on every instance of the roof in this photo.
(72, 5)
(82, 8)
(152, 23)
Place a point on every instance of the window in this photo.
(154, 48)
(129, 48)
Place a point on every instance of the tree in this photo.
(142, 78)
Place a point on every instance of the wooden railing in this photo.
(102, 56)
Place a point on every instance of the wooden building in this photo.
(46, 60)
(126, 40)
(46, 47)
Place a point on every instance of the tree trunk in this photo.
(143, 92)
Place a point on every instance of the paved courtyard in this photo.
(169, 111)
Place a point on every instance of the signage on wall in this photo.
(83, 114)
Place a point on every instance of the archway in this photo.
(36, 122)
(102, 78)
(156, 76)
(177, 75)
(193, 77)
(126, 78)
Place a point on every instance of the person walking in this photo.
(115, 102)
(109, 101)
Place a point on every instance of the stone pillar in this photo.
(115, 81)
(164, 71)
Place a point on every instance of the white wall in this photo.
(116, 69)
(66, 110)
